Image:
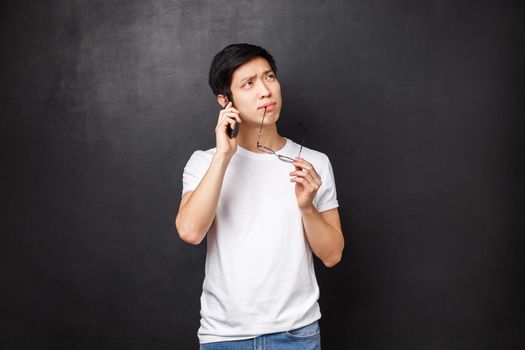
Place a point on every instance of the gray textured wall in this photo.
(418, 104)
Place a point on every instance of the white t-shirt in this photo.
(259, 272)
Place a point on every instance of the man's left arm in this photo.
(323, 230)
(324, 234)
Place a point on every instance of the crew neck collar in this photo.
(285, 151)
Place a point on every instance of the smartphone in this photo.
(232, 132)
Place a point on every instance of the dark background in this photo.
(418, 104)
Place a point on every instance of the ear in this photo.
(223, 100)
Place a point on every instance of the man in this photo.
(264, 211)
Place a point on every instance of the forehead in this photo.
(255, 66)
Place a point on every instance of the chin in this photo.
(274, 116)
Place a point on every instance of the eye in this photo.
(271, 76)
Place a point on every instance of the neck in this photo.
(247, 137)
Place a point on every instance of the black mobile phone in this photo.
(232, 132)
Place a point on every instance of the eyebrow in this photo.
(269, 70)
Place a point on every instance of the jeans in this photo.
(304, 338)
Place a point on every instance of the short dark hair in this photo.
(228, 60)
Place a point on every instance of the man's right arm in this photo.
(197, 208)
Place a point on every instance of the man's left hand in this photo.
(307, 182)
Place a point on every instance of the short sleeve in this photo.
(326, 197)
(194, 171)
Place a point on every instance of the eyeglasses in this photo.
(270, 151)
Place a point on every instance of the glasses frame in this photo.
(269, 150)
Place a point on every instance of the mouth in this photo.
(267, 105)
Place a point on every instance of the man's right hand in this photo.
(228, 116)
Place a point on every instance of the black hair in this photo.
(228, 60)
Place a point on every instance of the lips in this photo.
(267, 105)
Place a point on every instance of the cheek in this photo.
(238, 99)
(245, 105)
(242, 102)
(277, 91)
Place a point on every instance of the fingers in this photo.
(307, 171)
(228, 116)
(229, 112)
(306, 178)
(312, 187)
(224, 122)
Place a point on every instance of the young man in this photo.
(263, 215)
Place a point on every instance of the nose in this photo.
(264, 91)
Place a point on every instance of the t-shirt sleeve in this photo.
(194, 171)
(326, 197)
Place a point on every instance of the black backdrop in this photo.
(418, 104)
